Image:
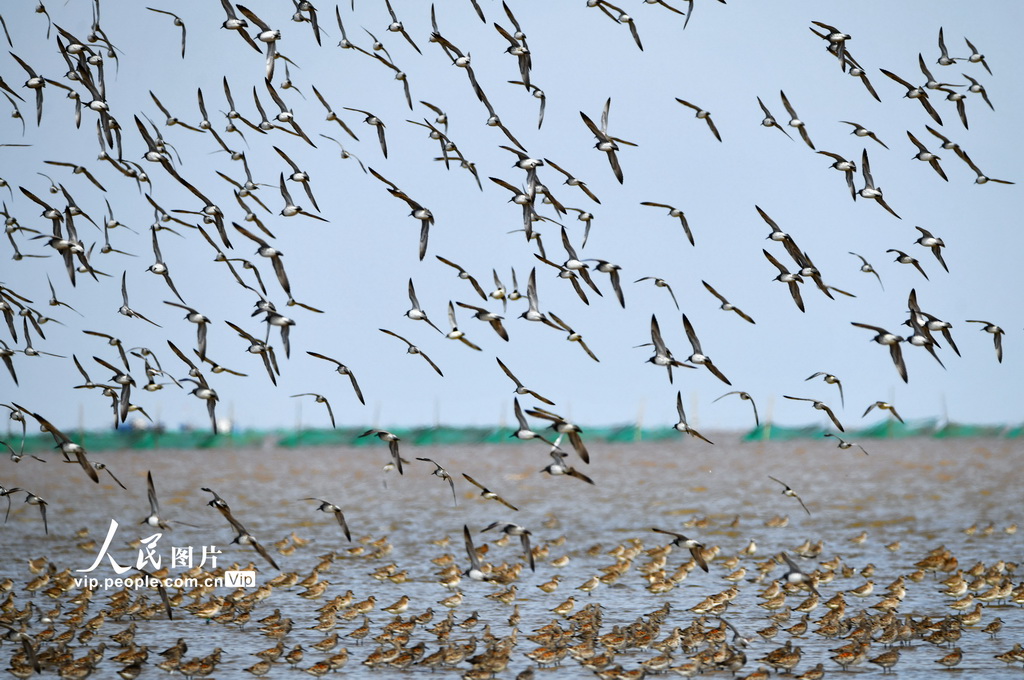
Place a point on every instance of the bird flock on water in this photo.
(230, 212)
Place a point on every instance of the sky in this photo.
(356, 265)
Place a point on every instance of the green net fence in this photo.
(447, 435)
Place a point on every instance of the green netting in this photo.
(499, 435)
(893, 429)
(1013, 432)
(317, 438)
(962, 430)
(425, 436)
(770, 431)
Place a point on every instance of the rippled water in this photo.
(923, 493)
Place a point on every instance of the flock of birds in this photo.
(139, 154)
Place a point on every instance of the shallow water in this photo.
(924, 493)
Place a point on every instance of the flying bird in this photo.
(831, 380)
(698, 357)
(524, 432)
(515, 530)
(914, 92)
(682, 425)
(674, 212)
(662, 355)
(846, 167)
(787, 491)
(463, 274)
(266, 35)
(997, 336)
(726, 305)
(883, 406)
(67, 447)
(660, 283)
(702, 114)
(343, 370)
(199, 320)
(794, 120)
(564, 427)
(260, 347)
(612, 270)
(981, 177)
(797, 577)
(696, 548)
(396, 26)
(36, 500)
(868, 269)
(904, 258)
(392, 441)
(870, 190)
(320, 399)
(843, 444)
(455, 333)
(932, 242)
(475, 571)
(574, 336)
(558, 467)
(573, 181)
(520, 388)
(885, 338)
(489, 317)
(923, 154)
(125, 308)
(327, 506)
(977, 57)
(744, 396)
(488, 494)
(242, 537)
(861, 131)
(821, 406)
(153, 519)
(375, 122)
(443, 474)
(789, 278)
(769, 120)
(533, 313)
(978, 88)
(416, 313)
(606, 142)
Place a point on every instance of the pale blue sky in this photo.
(356, 266)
